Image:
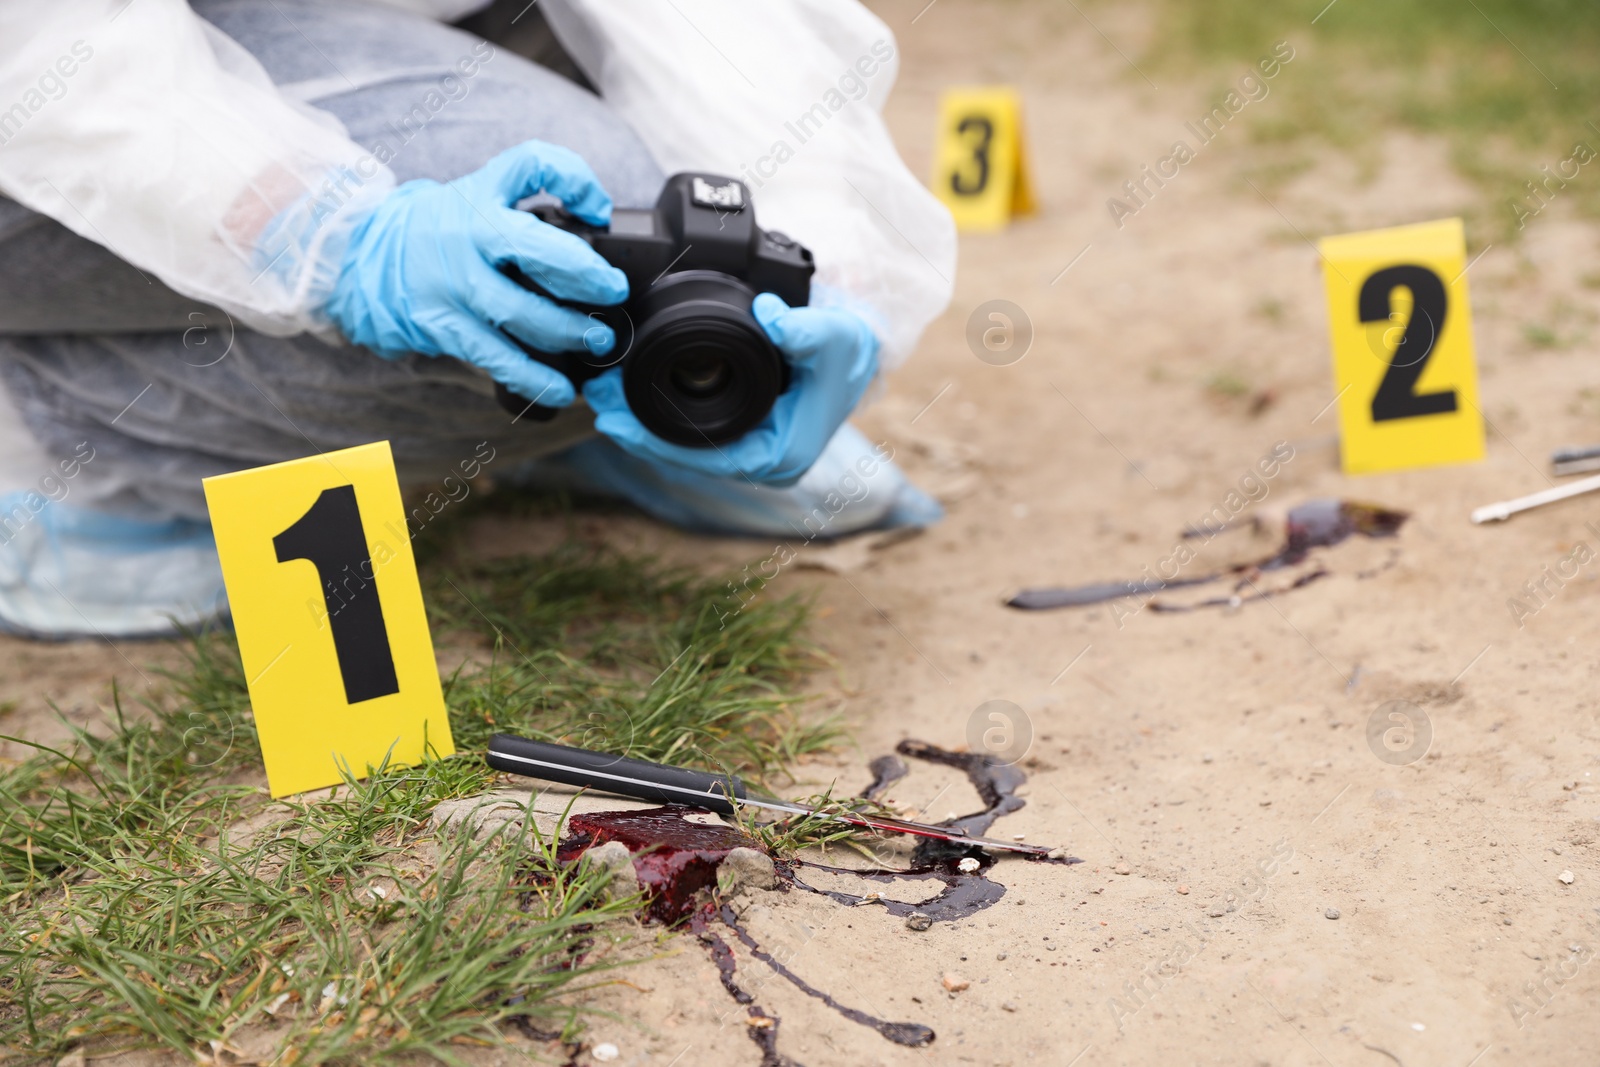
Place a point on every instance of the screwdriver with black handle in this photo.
(721, 793)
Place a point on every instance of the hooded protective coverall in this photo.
(181, 181)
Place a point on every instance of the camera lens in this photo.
(702, 371)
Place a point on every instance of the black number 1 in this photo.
(330, 535)
(980, 155)
(1397, 396)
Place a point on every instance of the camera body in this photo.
(697, 368)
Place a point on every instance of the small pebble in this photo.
(1207, 758)
(870, 898)
(746, 867)
(1183, 890)
(1006, 1005)
(1019, 837)
(967, 865)
(1216, 911)
(999, 955)
(1508, 920)
(605, 1052)
(1565, 877)
(918, 921)
(1331, 913)
(616, 861)
(1122, 868)
(1418, 1027)
(954, 983)
(1056, 854)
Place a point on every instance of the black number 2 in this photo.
(1397, 396)
(330, 535)
(980, 155)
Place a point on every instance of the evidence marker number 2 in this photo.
(1397, 397)
(1400, 321)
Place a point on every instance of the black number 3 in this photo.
(1397, 397)
(330, 535)
(980, 155)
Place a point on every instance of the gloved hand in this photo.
(832, 356)
(420, 272)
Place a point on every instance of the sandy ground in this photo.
(1221, 757)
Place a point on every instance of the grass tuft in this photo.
(792, 834)
(153, 895)
(603, 651)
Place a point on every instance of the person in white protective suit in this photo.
(236, 232)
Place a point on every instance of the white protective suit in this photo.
(140, 127)
(146, 130)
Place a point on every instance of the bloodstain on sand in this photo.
(1314, 524)
(676, 860)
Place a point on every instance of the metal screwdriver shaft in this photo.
(1507, 508)
(665, 784)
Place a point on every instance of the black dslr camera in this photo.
(697, 368)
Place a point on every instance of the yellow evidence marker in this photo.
(323, 587)
(980, 167)
(1403, 360)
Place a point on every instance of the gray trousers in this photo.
(168, 391)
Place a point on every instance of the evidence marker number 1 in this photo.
(329, 616)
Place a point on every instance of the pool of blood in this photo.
(674, 858)
(965, 892)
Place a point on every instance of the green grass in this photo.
(1511, 84)
(154, 896)
(791, 834)
(618, 654)
(1226, 385)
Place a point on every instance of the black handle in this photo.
(614, 774)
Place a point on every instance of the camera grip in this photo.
(575, 367)
(521, 406)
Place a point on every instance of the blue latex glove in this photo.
(420, 273)
(832, 356)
